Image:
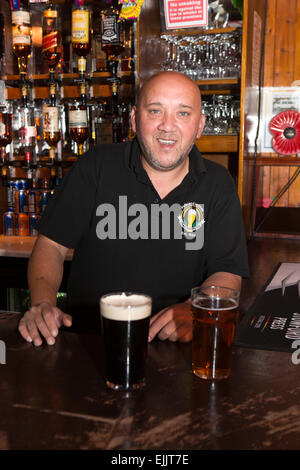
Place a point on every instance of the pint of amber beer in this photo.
(215, 312)
(125, 326)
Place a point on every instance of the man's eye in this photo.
(154, 111)
(184, 113)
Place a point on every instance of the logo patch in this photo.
(191, 217)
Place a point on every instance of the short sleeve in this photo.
(69, 211)
(225, 241)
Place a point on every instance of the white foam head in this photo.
(125, 306)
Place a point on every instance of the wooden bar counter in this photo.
(54, 397)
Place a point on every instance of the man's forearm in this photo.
(224, 279)
(45, 271)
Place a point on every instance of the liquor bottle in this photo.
(27, 127)
(111, 36)
(51, 130)
(2, 45)
(5, 131)
(111, 30)
(78, 120)
(81, 36)
(115, 118)
(51, 45)
(21, 38)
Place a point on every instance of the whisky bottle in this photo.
(78, 120)
(27, 127)
(5, 132)
(51, 123)
(111, 29)
(81, 36)
(21, 38)
(51, 44)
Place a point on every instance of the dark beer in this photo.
(214, 324)
(125, 324)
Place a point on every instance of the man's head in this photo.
(167, 119)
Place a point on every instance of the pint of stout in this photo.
(125, 325)
(215, 312)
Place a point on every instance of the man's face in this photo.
(168, 120)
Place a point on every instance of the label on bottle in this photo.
(2, 129)
(50, 119)
(80, 26)
(78, 118)
(21, 35)
(110, 29)
(50, 40)
(27, 134)
(20, 17)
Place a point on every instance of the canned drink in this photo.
(44, 198)
(21, 201)
(22, 225)
(33, 220)
(10, 195)
(9, 223)
(21, 184)
(31, 200)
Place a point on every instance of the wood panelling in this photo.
(281, 68)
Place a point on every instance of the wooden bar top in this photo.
(20, 247)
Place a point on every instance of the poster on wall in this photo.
(276, 100)
(185, 13)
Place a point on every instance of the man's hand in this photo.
(43, 320)
(173, 323)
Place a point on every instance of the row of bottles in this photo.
(56, 129)
(89, 28)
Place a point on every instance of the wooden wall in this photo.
(281, 69)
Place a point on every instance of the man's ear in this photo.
(133, 118)
(201, 125)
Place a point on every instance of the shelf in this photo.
(98, 83)
(217, 143)
(218, 81)
(198, 31)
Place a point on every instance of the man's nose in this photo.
(167, 122)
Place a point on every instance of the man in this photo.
(149, 216)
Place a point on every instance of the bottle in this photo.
(111, 29)
(51, 130)
(51, 44)
(78, 120)
(2, 45)
(21, 38)
(5, 132)
(27, 127)
(115, 116)
(81, 36)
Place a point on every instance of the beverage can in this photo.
(33, 220)
(10, 195)
(9, 223)
(21, 201)
(31, 200)
(22, 225)
(44, 198)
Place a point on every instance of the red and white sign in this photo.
(185, 13)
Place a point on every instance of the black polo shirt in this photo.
(126, 238)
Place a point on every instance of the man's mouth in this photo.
(166, 141)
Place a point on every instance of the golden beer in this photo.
(214, 319)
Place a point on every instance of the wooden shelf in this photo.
(198, 31)
(217, 143)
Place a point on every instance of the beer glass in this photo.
(215, 312)
(125, 326)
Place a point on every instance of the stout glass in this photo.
(125, 325)
(215, 312)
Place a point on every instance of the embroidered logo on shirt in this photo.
(191, 217)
